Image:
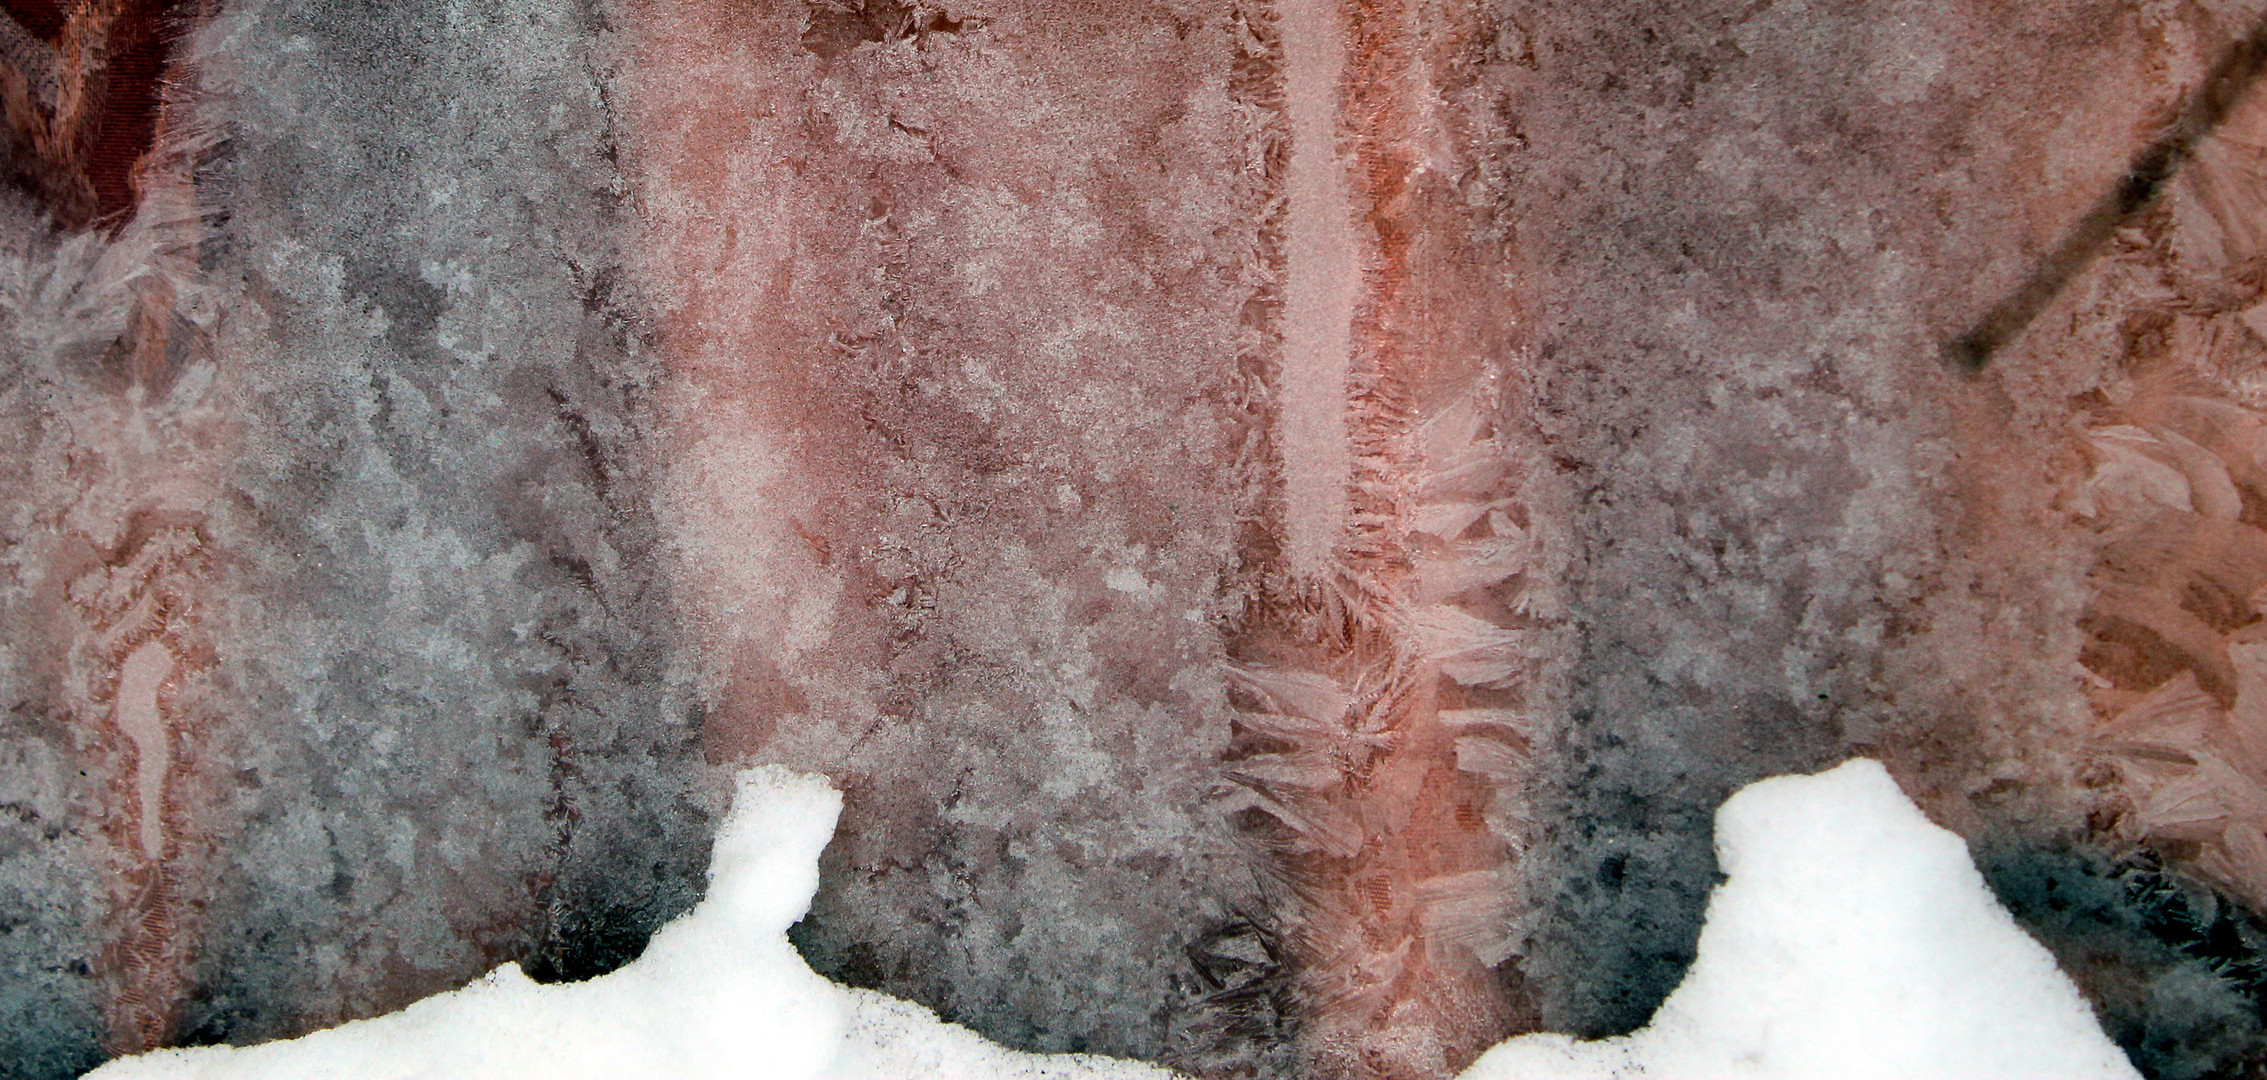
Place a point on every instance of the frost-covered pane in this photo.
(1283, 519)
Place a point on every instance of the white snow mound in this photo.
(1853, 939)
(718, 993)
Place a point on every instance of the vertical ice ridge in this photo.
(1387, 805)
(1322, 271)
(140, 679)
(112, 328)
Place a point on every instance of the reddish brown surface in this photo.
(44, 18)
(82, 155)
(138, 47)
